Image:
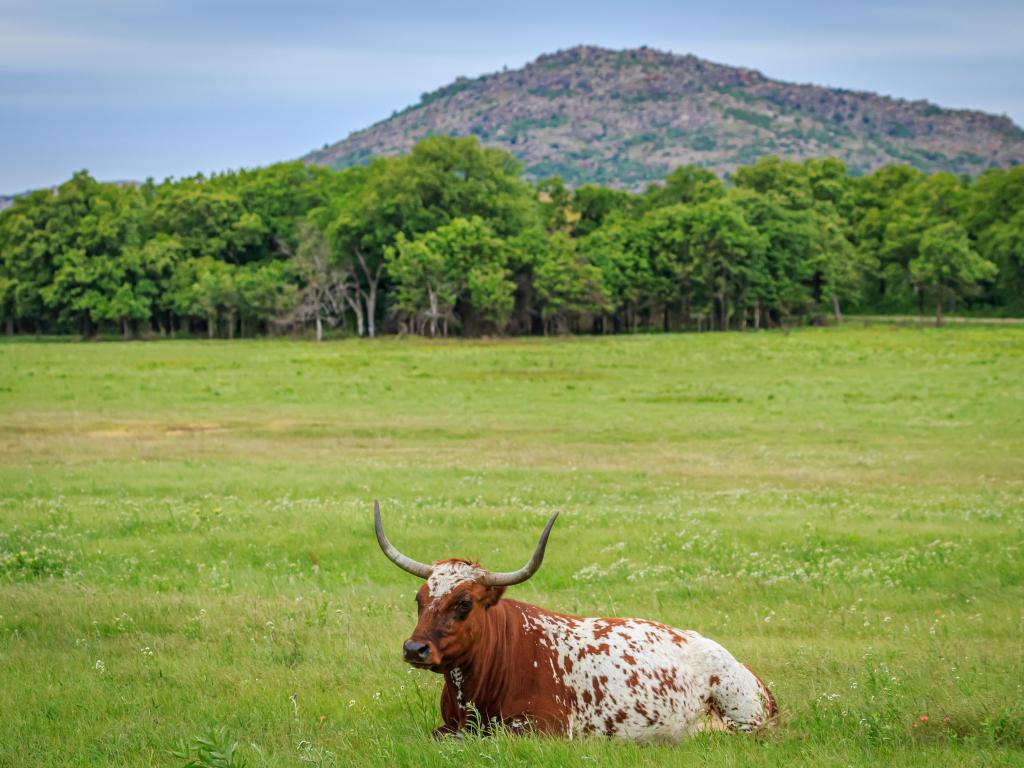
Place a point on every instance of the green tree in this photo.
(265, 293)
(685, 185)
(567, 284)
(208, 222)
(325, 287)
(730, 252)
(661, 238)
(457, 271)
(160, 257)
(555, 203)
(443, 179)
(8, 302)
(788, 180)
(994, 218)
(426, 289)
(205, 288)
(26, 260)
(93, 231)
(1003, 244)
(626, 271)
(593, 204)
(947, 264)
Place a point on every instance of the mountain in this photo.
(627, 117)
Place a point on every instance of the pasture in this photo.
(186, 538)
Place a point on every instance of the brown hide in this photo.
(500, 668)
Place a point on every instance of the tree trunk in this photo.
(757, 315)
(432, 298)
(835, 309)
(124, 328)
(371, 311)
(9, 326)
(370, 295)
(319, 327)
(211, 325)
(357, 309)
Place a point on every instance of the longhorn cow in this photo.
(534, 670)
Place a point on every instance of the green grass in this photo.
(186, 545)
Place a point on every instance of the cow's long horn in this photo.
(396, 557)
(518, 577)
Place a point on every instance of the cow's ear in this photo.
(493, 595)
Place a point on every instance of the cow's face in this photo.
(452, 606)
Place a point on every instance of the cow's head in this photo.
(453, 604)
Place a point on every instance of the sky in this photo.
(131, 89)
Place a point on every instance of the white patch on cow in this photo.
(457, 682)
(447, 575)
(636, 679)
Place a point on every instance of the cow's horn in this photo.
(518, 577)
(396, 557)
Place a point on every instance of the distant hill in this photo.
(627, 117)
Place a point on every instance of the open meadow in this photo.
(186, 540)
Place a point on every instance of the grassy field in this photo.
(186, 539)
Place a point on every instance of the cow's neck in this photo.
(497, 662)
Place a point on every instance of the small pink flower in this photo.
(924, 718)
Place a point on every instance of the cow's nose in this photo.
(415, 651)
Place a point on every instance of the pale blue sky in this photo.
(137, 88)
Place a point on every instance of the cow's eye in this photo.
(463, 607)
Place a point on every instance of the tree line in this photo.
(451, 240)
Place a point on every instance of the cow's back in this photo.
(637, 679)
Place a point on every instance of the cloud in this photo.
(205, 69)
(107, 81)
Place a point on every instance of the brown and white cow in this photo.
(531, 669)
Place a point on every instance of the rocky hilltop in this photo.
(626, 118)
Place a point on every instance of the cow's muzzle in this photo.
(418, 654)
